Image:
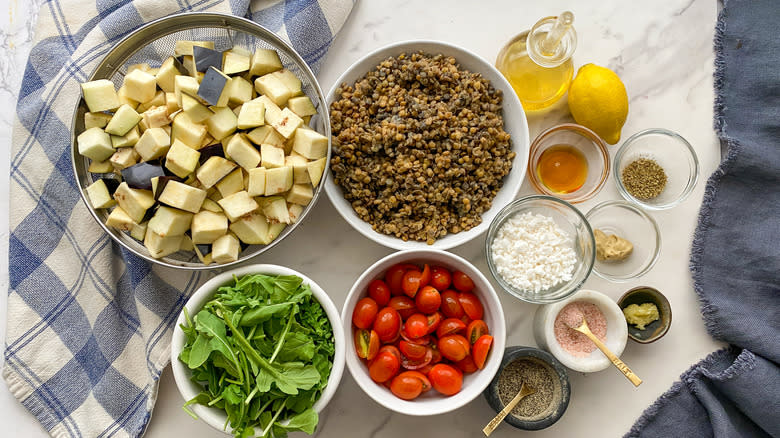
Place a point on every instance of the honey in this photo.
(562, 168)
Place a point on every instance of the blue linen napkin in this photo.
(89, 325)
(736, 250)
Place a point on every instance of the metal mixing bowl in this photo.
(152, 44)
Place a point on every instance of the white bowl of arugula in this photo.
(255, 353)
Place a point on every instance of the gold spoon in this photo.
(525, 390)
(585, 330)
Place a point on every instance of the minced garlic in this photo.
(641, 315)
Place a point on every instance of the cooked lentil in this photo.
(420, 149)
(540, 376)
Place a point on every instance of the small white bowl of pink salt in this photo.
(573, 349)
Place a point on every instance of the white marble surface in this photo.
(663, 52)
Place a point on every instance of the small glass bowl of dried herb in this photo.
(656, 169)
(539, 369)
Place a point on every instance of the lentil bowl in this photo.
(438, 182)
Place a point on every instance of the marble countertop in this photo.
(663, 52)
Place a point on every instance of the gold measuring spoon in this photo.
(525, 390)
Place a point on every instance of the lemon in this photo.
(598, 100)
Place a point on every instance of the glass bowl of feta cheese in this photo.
(540, 249)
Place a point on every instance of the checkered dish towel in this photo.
(89, 324)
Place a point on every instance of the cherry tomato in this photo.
(428, 300)
(433, 321)
(436, 354)
(416, 326)
(411, 282)
(426, 369)
(471, 305)
(383, 367)
(476, 329)
(414, 364)
(403, 305)
(423, 378)
(392, 349)
(425, 276)
(393, 278)
(366, 343)
(365, 313)
(379, 291)
(462, 282)
(446, 379)
(467, 365)
(422, 340)
(481, 350)
(450, 304)
(409, 385)
(450, 326)
(387, 324)
(411, 350)
(454, 347)
(440, 278)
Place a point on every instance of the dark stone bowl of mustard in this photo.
(544, 373)
(654, 330)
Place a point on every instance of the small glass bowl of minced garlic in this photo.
(648, 314)
(655, 169)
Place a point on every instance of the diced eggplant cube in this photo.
(213, 170)
(186, 244)
(275, 210)
(157, 117)
(251, 229)
(240, 150)
(100, 167)
(295, 212)
(182, 196)
(222, 123)
(185, 85)
(290, 81)
(256, 186)
(211, 206)
(287, 123)
(190, 133)
(138, 231)
(196, 110)
(185, 47)
(127, 140)
(302, 106)
(140, 175)
(278, 180)
(311, 144)
(208, 226)
(124, 158)
(100, 95)
(92, 120)
(265, 61)
(166, 76)
(232, 183)
(169, 221)
(98, 195)
(141, 85)
(119, 219)
(134, 201)
(205, 58)
(240, 91)
(225, 249)
(94, 143)
(300, 169)
(213, 89)
(237, 205)
(154, 143)
(171, 104)
(214, 150)
(159, 183)
(273, 113)
(157, 100)
(252, 115)
(272, 156)
(160, 246)
(125, 99)
(181, 159)
(235, 61)
(316, 168)
(272, 87)
(300, 194)
(274, 230)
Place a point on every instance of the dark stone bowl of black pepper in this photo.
(541, 371)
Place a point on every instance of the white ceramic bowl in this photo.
(515, 124)
(617, 331)
(431, 402)
(214, 417)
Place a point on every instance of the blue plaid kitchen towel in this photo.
(89, 325)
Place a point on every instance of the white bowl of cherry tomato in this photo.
(428, 331)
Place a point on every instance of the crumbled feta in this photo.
(531, 252)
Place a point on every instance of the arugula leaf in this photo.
(305, 421)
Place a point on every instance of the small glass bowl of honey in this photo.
(568, 161)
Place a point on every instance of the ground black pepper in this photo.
(538, 375)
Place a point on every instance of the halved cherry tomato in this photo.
(392, 349)
(384, 367)
(471, 305)
(416, 326)
(440, 278)
(411, 282)
(379, 291)
(422, 340)
(467, 365)
(403, 305)
(428, 300)
(412, 364)
(426, 369)
(425, 276)
(393, 277)
(409, 384)
(387, 324)
(454, 347)
(450, 304)
(411, 350)
(446, 379)
(433, 321)
(423, 378)
(450, 326)
(481, 350)
(476, 329)
(462, 282)
(436, 354)
(365, 313)
(366, 343)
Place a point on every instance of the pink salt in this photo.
(572, 341)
